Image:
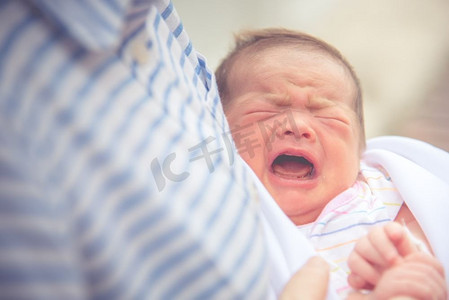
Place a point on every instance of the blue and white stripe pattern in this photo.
(116, 179)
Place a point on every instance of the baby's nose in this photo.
(297, 125)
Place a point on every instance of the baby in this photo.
(295, 110)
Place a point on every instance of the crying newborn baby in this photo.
(299, 109)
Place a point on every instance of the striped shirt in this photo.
(117, 178)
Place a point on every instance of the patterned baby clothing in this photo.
(373, 200)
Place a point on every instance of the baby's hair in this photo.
(259, 40)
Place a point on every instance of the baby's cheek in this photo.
(253, 157)
(248, 142)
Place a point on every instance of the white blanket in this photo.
(421, 174)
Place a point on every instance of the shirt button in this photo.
(140, 52)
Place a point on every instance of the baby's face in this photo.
(291, 117)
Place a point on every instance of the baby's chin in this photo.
(299, 207)
(304, 218)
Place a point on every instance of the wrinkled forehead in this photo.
(255, 60)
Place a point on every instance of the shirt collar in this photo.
(97, 25)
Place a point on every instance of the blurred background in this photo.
(399, 49)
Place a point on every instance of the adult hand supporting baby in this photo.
(310, 282)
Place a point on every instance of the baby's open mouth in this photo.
(292, 167)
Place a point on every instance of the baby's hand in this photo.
(379, 250)
(417, 276)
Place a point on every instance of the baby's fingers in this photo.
(363, 274)
(385, 240)
(400, 237)
(414, 279)
(430, 262)
(377, 249)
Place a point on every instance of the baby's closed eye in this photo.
(260, 115)
(333, 116)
